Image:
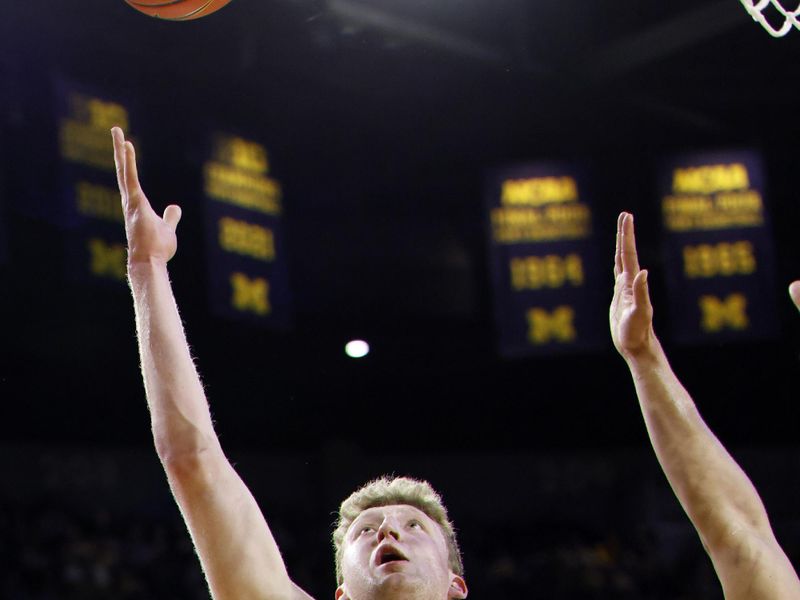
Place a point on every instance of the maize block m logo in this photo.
(107, 260)
(250, 295)
(557, 326)
(717, 314)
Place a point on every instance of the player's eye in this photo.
(415, 524)
(367, 529)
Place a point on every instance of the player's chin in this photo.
(395, 566)
(397, 576)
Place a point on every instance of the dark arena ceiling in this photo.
(381, 118)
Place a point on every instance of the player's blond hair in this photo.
(387, 491)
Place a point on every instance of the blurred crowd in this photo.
(571, 563)
(49, 552)
(90, 548)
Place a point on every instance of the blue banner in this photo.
(248, 276)
(543, 261)
(89, 208)
(718, 249)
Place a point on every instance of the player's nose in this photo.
(388, 528)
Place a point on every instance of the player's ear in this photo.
(341, 594)
(458, 588)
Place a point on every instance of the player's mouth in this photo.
(387, 554)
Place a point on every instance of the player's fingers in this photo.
(172, 215)
(641, 292)
(135, 193)
(794, 292)
(629, 257)
(618, 249)
(119, 161)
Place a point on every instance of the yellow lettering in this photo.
(250, 295)
(242, 188)
(739, 202)
(723, 210)
(107, 260)
(539, 190)
(242, 154)
(719, 260)
(246, 238)
(83, 135)
(97, 113)
(687, 205)
(105, 115)
(545, 327)
(551, 271)
(248, 155)
(528, 224)
(98, 201)
(708, 179)
(718, 314)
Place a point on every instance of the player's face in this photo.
(397, 552)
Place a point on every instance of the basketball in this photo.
(177, 10)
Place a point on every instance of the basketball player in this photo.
(716, 494)
(794, 292)
(394, 540)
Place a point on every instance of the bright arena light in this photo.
(357, 349)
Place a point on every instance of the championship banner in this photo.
(543, 259)
(90, 208)
(718, 250)
(248, 276)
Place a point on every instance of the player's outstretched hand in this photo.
(794, 292)
(150, 237)
(631, 314)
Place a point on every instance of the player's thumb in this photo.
(172, 214)
(794, 292)
(641, 293)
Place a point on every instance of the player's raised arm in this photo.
(719, 498)
(794, 293)
(236, 548)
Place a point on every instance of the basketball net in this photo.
(790, 17)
